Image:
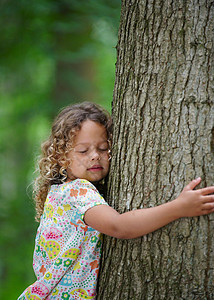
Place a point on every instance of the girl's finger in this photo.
(209, 198)
(208, 206)
(208, 211)
(207, 190)
(193, 184)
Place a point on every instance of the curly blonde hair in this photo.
(53, 162)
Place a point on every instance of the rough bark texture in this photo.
(163, 138)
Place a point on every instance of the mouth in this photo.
(95, 168)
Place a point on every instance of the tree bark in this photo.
(163, 138)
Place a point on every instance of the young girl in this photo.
(73, 214)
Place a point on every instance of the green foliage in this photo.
(53, 53)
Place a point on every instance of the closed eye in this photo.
(83, 151)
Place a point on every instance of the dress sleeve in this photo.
(84, 195)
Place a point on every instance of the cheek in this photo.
(107, 164)
(78, 162)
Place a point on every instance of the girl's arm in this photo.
(139, 222)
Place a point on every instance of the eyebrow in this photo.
(90, 143)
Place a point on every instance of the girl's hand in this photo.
(192, 203)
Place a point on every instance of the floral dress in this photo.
(67, 251)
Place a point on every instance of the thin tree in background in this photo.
(163, 138)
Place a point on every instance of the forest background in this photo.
(52, 54)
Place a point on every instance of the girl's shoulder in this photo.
(81, 183)
(77, 184)
(79, 193)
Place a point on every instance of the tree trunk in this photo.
(163, 138)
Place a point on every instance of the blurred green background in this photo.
(52, 53)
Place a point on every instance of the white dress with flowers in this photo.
(67, 251)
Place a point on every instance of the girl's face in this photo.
(89, 158)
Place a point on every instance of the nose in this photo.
(95, 155)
